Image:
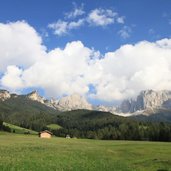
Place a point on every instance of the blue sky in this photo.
(97, 26)
(140, 17)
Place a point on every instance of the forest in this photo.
(81, 123)
(103, 125)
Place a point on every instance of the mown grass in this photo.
(54, 126)
(19, 130)
(30, 153)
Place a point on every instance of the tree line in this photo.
(3, 127)
(102, 125)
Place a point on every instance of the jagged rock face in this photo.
(146, 100)
(73, 102)
(102, 108)
(4, 95)
(67, 103)
(51, 103)
(125, 106)
(36, 97)
(105, 108)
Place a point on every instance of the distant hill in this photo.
(24, 112)
(160, 115)
(104, 125)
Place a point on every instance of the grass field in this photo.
(19, 130)
(54, 126)
(30, 153)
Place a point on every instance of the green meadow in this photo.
(18, 129)
(30, 153)
(53, 126)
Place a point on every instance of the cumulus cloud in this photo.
(133, 68)
(113, 76)
(63, 70)
(97, 17)
(12, 78)
(16, 47)
(62, 27)
(77, 11)
(103, 17)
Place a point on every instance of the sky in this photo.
(106, 51)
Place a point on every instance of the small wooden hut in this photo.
(45, 134)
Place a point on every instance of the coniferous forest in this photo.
(81, 123)
(103, 125)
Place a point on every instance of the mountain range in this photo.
(150, 119)
(148, 102)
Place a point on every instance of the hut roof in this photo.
(46, 132)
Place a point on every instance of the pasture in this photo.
(30, 153)
(19, 130)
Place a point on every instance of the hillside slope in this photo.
(159, 115)
(19, 130)
(24, 112)
(104, 125)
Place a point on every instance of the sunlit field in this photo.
(29, 152)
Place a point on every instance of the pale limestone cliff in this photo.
(73, 102)
(36, 97)
(4, 95)
(146, 100)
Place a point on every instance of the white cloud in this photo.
(120, 20)
(133, 68)
(60, 27)
(11, 78)
(20, 45)
(75, 24)
(97, 17)
(125, 32)
(77, 11)
(103, 17)
(63, 27)
(63, 70)
(118, 75)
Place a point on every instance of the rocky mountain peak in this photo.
(146, 100)
(34, 95)
(105, 108)
(4, 95)
(72, 102)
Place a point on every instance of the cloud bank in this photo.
(25, 63)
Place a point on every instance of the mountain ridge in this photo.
(146, 102)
